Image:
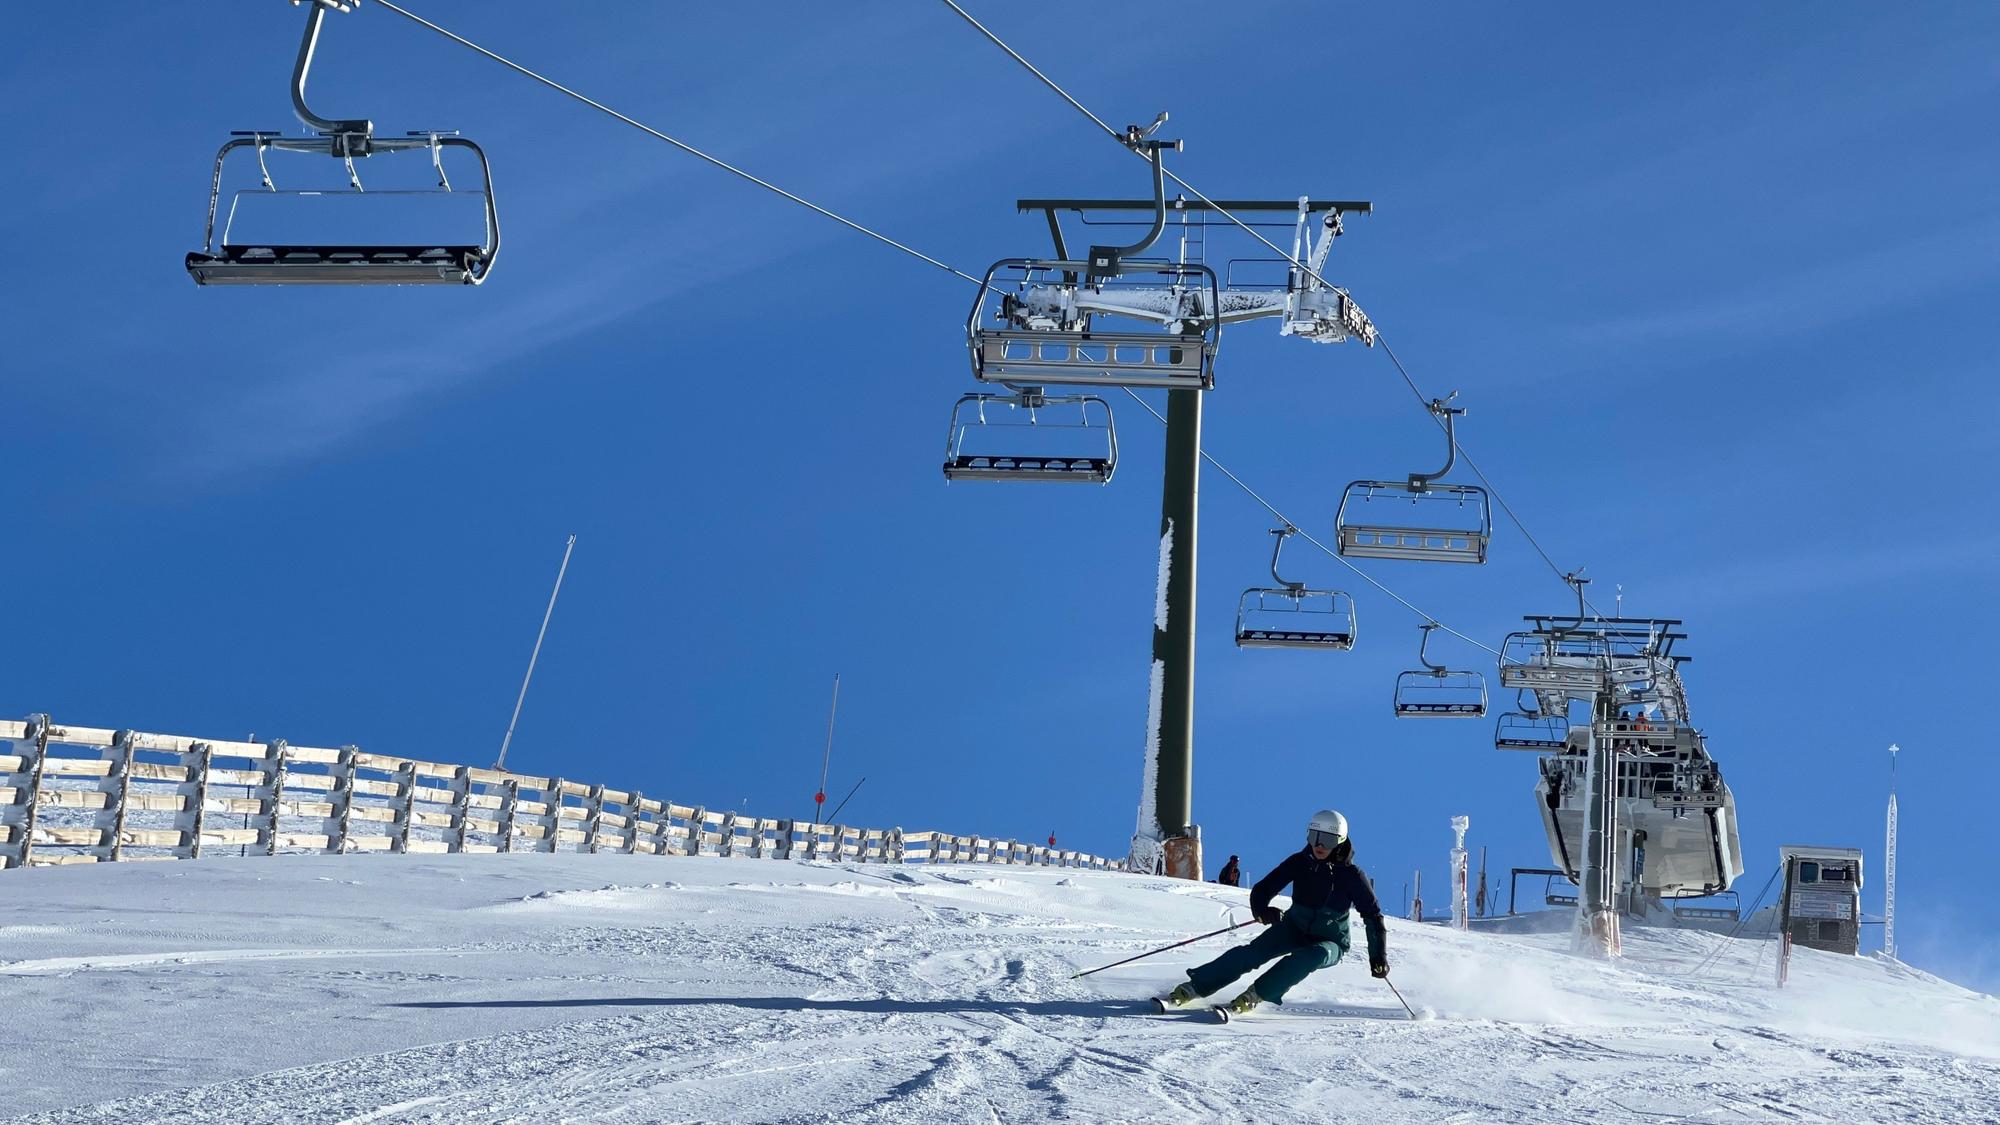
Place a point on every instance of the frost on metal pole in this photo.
(1460, 918)
(501, 763)
(1889, 865)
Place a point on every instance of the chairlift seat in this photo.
(1062, 341)
(338, 265)
(1292, 638)
(1088, 470)
(1431, 694)
(1428, 540)
(988, 443)
(1440, 710)
(1518, 730)
(221, 261)
(1309, 619)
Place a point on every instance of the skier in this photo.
(1231, 875)
(1311, 935)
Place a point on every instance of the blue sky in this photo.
(1714, 284)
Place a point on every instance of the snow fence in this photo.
(93, 795)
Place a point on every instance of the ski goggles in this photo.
(1316, 838)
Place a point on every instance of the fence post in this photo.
(277, 751)
(405, 809)
(593, 818)
(461, 809)
(696, 820)
(728, 835)
(342, 796)
(34, 753)
(892, 847)
(121, 772)
(635, 815)
(552, 834)
(202, 754)
(784, 839)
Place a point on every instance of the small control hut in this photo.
(1821, 907)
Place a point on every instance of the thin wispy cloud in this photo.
(1856, 291)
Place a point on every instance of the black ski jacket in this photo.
(1323, 892)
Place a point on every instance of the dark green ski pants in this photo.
(1301, 955)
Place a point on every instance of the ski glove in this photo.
(1378, 968)
(1269, 916)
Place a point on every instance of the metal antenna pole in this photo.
(1889, 865)
(501, 764)
(819, 795)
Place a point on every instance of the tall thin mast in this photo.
(501, 764)
(1889, 865)
(819, 795)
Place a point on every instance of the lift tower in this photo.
(1167, 840)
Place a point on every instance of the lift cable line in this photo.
(679, 144)
(921, 256)
(1304, 267)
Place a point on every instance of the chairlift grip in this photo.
(347, 130)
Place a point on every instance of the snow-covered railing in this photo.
(91, 795)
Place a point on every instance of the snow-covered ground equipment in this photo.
(437, 235)
(1029, 436)
(1444, 523)
(1289, 615)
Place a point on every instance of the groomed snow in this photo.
(627, 988)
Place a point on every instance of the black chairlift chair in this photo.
(1437, 692)
(1035, 320)
(229, 260)
(1028, 436)
(1291, 616)
(1447, 522)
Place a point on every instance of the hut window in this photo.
(1829, 931)
(1808, 871)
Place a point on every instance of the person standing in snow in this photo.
(1326, 886)
(1231, 875)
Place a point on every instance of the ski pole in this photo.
(1399, 997)
(1164, 948)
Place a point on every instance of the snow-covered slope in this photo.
(576, 987)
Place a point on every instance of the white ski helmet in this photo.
(1327, 828)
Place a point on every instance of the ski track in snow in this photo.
(591, 988)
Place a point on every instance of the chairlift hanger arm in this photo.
(351, 131)
(1441, 408)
